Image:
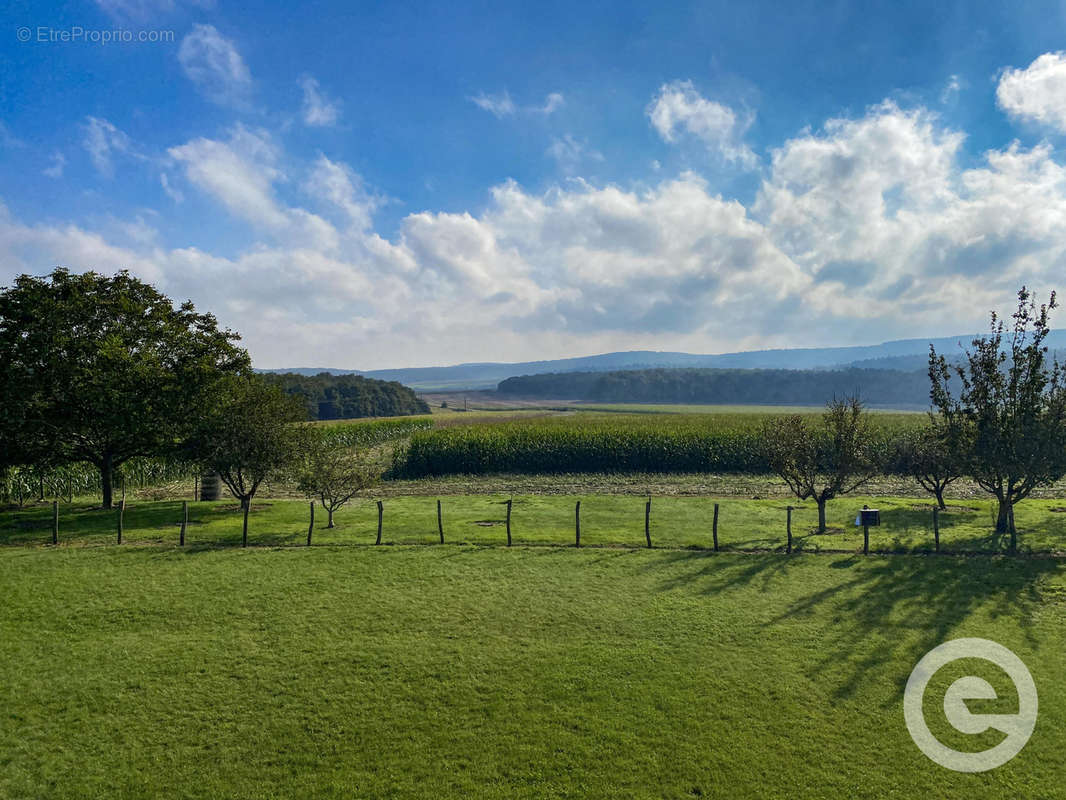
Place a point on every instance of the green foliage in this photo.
(329, 396)
(1010, 405)
(102, 370)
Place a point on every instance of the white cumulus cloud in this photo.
(679, 107)
(1036, 93)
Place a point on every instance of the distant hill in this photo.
(904, 354)
(878, 387)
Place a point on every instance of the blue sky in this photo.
(375, 185)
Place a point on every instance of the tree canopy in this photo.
(1009, 402)
(822, 463)
(328, 396)
(247, 434)
(102, 369)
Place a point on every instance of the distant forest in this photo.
(726, 386)
(349, 396)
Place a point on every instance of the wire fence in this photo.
(689, 523)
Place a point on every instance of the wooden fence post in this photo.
(440, 522)
(121, 513)
(647, 522)
(311, 525)
(509, 522)
(577, 524)
(865, 538)
(381, 511)
(714, 528)
(788, 529)
(184, 522)
(936, 529)
(55, 522)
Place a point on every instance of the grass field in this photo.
(471, 669)
(531, 672)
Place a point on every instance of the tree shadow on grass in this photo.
(875, 596)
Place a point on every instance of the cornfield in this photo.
(27, 483)
(611, 443)
(373, 432)
(30, 483)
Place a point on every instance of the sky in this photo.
(373, 185)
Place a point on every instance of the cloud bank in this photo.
(868, 227)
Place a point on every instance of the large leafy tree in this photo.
(822, 462)
(103, 369)
(1011, 403)
(249, 434)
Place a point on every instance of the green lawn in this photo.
(676, 522)
(438, 672)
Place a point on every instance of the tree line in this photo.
(725, 386)
(327, 396)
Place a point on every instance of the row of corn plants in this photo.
(614, 443)
(22, 484)
(28, 483)
(373, 432)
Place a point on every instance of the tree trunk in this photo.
(244, 533)
(329, 524)
(939, 492)
(107, 471)
(821, 516)
(1003, 517)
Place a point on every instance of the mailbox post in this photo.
(868, 516)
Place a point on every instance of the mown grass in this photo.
(606, 520)
(454, 672)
